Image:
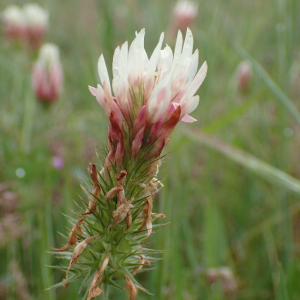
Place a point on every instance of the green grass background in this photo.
(221, 213)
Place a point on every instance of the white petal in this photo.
(187, 49)
(103, 74)
(191, 105)
(136, 56)
(115, 68)
(154, 58)
(166, 59)
(196, 83)
(178, 46)
(193, 67)
(123, 61)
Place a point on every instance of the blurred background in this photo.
(231, 192)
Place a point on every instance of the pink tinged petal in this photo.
(116, 138)
(156, 127)
(113, 106)
(171, 108)
(158, 104)
(93, 90)
(171, 123)
(180, 95)
(103, 73)
(100, 96)
(119, 154)
(137, 143)
(161, 95)
(188, 119)
(113, 133)
(165, 132)
(140, 121)
(155, 110)
(159, 100)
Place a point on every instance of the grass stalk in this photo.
(277, 91)
(255, 165)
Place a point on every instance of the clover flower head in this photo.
(149, 96)
(14, 22)
(184, 14)
(36, 23)
(47, 75)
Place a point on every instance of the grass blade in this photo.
(257, 166)
(282, 97)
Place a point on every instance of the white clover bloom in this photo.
(14, 21)
(35, 16)
(157, 82)
(184, 14)
(147, 92)
(36, 23)
(47, 75)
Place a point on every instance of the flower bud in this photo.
(36, 23)
(184, 14)
(244, 75)
(14, 22)
(47, 74)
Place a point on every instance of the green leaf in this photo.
(282, 293)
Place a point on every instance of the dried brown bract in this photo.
(95, 290)
(78, 251)
(132, 288)
(73, 238)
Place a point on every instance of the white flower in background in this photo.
(47, 75)
(184, 14)
(36, 23)
(14, 22)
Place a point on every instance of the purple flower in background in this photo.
(58, 162)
